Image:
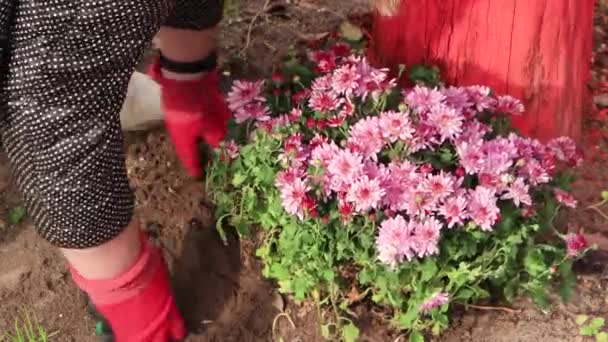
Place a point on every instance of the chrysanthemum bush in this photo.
(416, 199)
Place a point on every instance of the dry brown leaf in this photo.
(312, 36)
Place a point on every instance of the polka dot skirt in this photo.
(64, 70)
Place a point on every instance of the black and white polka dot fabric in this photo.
(65, 66)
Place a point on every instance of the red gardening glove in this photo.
(138, 304)
(194, 109)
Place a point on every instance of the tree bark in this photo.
(536, 50)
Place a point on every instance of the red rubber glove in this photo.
(194, 109)
(138, 304)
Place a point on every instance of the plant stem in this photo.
(492, 308)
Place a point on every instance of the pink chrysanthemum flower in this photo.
(396, 195)
(425, 137)
(377, 171)
(436, 301)
(279, 121)
(231, 150)
(481, 98)
(402, 178)
(365, 194)
(294, 197)
(341, 49)
(535, 172)
(366, 137)
(446, 120)
(426, 237)
(244, 93)
(317, 140)
(325, 60)
(295, 115)
(565, 198)
(423, 99)
(336, 121)
(322, 83)
(300, 96)
(388, 253)
(395, 241)
(419, 203)
(565, 150)
(439, 186)
(454, 210)
(345, 167)
(345, 80)
(323, 101)
(526, 147)
(499, 154)
(287, 177)
(457, 98)
(324, 153)
(297, 158)
(252, 111)
(509, 105)
(473, 132)
(576, 244)
(471, 157)
(482, 207)
(348, 108)
(518, 191)
(372, 80)
(396, 126)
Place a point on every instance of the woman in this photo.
(65, 70)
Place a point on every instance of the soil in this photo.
(220, 287)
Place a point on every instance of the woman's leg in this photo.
(119, 254)
(67, 78)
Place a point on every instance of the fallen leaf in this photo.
(351, 32)
(353, 294)
(16, 215)
(278, 302)
(312, 36)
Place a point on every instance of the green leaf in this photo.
(605, 195)
(351, 32)
(429, 269)
(424, 74)
(535, 263)
(16, 215)
(238, 179)
(406, 321)
(329, 275)
(588, 331)
(597, 323)
(415, 336)
(350, 333)
(325, 332)
(581, 319)
(601, 337)
(465, 294)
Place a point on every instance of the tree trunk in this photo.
(536, 50)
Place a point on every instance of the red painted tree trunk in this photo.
(536, 50)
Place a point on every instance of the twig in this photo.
(276, 320)
(255, 18)
(400, 338)
(493, 308)
(597, 210)
(268, 45)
